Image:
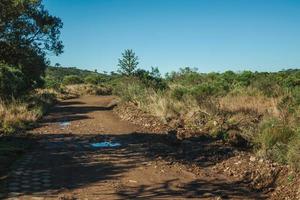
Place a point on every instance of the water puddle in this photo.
(105, 144)
(64, 124)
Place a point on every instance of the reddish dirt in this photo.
(63, 164)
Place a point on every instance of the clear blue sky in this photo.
(212, 35)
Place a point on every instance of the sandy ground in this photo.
(64, 165)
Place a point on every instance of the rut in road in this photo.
(64, 165)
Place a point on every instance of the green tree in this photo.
(11, 81)
(128, 63)
(27, 33)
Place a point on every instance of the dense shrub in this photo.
(94, 79)
(179, 92)
(72, 79)
(274, 139)
(151, 79)
(293, 154)
(11, 81)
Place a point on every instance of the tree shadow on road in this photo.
(62, 162)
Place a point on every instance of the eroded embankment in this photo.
(277, 181)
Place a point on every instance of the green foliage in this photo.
(151, 79)
(129, 89)
(54, 76)
(94, 79)
(27, 33)
(293, 154)
(72, 79)
(11, 81)
(128, 63)
(274, 139)
(179, 92)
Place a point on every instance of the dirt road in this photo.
(64, 165)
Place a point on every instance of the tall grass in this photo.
(267, 119)
(17, 115)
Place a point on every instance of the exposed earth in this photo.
(64, 165)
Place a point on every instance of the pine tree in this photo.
(128, 63)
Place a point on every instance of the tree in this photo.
(128, 63)
(27, 33)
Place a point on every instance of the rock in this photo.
(252, 158)
(238, 163)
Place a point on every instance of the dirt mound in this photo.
(129, 112)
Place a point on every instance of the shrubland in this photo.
(256, 109)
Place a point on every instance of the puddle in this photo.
(105, 144)
(64, 124)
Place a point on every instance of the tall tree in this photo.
(128, 63)
(27, 33)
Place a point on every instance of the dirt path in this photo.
(64, 165)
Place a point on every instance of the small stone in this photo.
(238, 163)
(252, 158)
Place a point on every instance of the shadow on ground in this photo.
(62, 162)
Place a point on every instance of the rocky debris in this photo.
(278, 181)
(129, 112)
(262, 175)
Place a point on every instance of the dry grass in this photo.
(167, 109)
(19, 114)
(245, 103)
(15, 115)
(86, 89)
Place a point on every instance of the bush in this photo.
(11, 81)
(274, 138)
(72, 79)
(151, 79)
(179, 93)
(94, 79)
(293, 154)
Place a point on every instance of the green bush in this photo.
(179, 93)
(293, 154)
(72, 79)
(274, 138)
(12, 81)
(151, 79)
(94, 79)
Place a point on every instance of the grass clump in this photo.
(280, 142)
(19, 114)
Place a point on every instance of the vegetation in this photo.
(261, 109)
(128, 63)
(27, 33)
(19, 114)
(258, 108)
